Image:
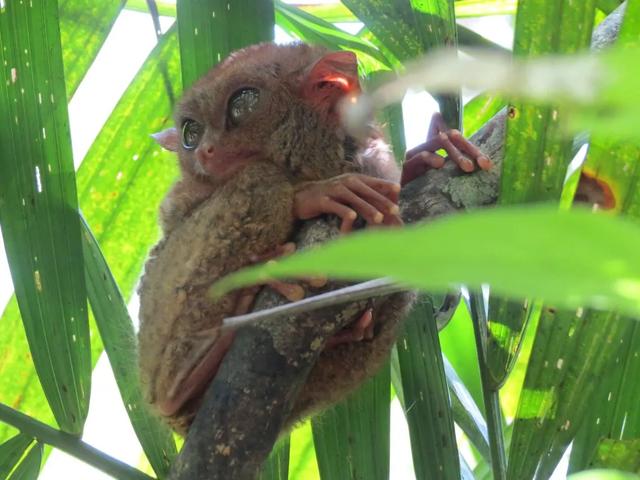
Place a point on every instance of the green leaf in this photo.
(608, 6)
(479, 110)
(121, 182)
(11, 452)
(29, 467)
(469, 38)
(409, 29)
(597, 263)
(618, 454)
(603, 475)
(570, 352)
(466, 413)
(426, 397)
(582, 345)
(38, 208)
(277, 465)
(537, 151)
(482, 8)
(118, 336)
(614, 412)
(210, 30)
(84, 26)
(330, 12)
(316, 31)
(302, 457)
(352, 438)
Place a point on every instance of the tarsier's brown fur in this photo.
(213, 227)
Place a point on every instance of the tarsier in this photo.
(261, 148)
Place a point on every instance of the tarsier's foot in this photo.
(189, 383)
(348, 196)
(360, 330)
(423, 157)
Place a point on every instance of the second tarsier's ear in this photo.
(330, 78)
(168, 139)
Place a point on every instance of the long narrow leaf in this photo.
(581, 345)
(210, 30)
(117, 334)
(118, 200)
(319, 32)
(537, 151)
(426, 396)
(38, 204)
(598, 264)
(29, 467)
(352, 438)
(11, 451)
(409, 29)
(277, 465)
(84, 26)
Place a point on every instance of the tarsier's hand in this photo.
(348, 196)
(423, 157)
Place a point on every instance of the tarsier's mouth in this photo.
(193, 383)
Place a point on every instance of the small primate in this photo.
(261, 147)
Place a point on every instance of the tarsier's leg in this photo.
(423, 157)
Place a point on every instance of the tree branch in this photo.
(247, 404)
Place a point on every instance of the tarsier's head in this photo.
(255, 103)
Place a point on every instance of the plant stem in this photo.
(71, 445)
(491, 397)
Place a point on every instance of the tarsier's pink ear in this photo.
(332, 77)
(168, 139)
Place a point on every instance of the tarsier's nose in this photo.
(205, 153)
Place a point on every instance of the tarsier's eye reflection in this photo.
(191, 133)
(242, 104)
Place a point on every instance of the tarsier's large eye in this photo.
(242, 104)
(191, 133)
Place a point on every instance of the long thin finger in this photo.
(347, 215)
(290, 291)
(389, 189)
(378, 200)
(470, 149)
(436, 126)
(245, 300)
(419, 164)
(430, 145)
(456, 155)
(370, 213)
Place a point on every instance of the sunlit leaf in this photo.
(209, 31)
(276, 467)
(352, 438)
(319, 32)
(29, 467)
(38, 204)
(603, 475)
(410, 28)
(11, 452)
(537, 151)
(481, 8)
(426, 397)
(120, 185)
(84, 26)
(118, 336)
(597, 264)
